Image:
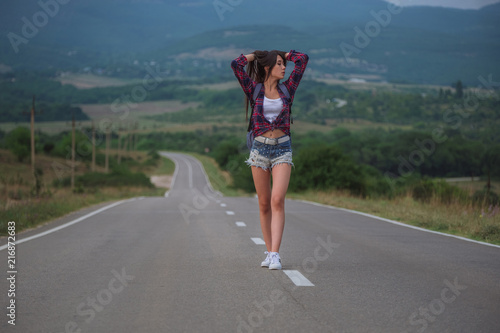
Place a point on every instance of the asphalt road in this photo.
(189, 262)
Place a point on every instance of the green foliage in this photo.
(241, 173)
(489, 232)
(53, 100)
(426, 189)
(119, 176)
(459, 89)
(325, 167)
(153, 158)
(376, 184)
(224, 153)
(485, 197)
(229, 157)
(18, 141)
(196, 141)
(317, 103)
(83, 147)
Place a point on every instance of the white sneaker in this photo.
(266, 261)
(275, 260)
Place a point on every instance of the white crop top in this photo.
(272, 108)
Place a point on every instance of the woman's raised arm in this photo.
(250, 57)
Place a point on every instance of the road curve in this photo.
(189, 262)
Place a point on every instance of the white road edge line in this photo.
(258, 241)
(174, 177)
(241, 224)
(400, 223)
(190, 170)
(67, 224)
(298, 279)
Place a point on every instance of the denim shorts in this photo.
(267, 156)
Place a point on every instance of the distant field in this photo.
(381, 86)
(216, 86)
(99, 111)
(87, 81)
(134, 123)
(133, 118)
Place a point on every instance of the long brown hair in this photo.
(256, 68)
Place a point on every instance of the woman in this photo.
(271, 152)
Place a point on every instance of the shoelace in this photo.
(275, 258)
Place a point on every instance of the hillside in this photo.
(417, 44)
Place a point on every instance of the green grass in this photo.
(456, 218)
(220, 180)
(165, 167)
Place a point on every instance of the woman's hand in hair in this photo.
(250, 57)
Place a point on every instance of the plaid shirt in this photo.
(260, 124)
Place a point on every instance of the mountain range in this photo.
(369, 38)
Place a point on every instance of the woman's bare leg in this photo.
(262, 182)
(281, 179)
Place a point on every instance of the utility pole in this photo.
(131, 137)
(108, 139)
(136, 127)
(93, 146)
(73, 150)
(33, 137)
(119, 145)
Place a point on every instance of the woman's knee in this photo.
(277, 203)
(265, 205)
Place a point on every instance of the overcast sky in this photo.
(465, 4)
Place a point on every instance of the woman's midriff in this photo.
(277, 133)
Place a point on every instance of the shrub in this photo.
(241, 173)
(423, 191)
(376, 183)
(426, 189)
(18, 141)
(225, 152)
(485, 197)
(489, 232)
(119, 176)
(326, 167)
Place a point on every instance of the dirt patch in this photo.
(162, 181)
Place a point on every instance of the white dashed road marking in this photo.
(299, 279)
(258, 241)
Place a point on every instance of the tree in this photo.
(18, 141)
(326, 167)
(459, 89)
